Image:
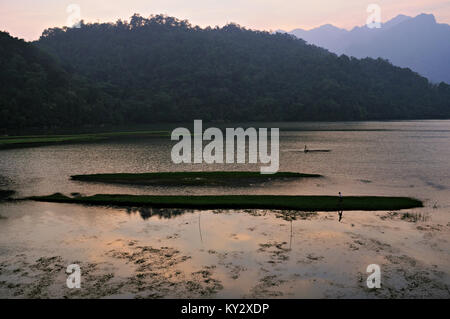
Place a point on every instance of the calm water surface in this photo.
(409, 158)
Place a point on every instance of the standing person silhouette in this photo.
(341, 199)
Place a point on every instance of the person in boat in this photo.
(341, 199)
(306, 149)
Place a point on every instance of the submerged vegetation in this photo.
(415, 217)
(191, 178)
(303, 203)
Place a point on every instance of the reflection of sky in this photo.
(322, 254)
(28, 18)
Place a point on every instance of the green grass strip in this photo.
(42, 140)
(189, 178)
(303, 203)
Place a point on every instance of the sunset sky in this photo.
(28, 18)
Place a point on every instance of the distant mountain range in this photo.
(419, 43)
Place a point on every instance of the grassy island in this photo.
(302, 203)
(190, 178)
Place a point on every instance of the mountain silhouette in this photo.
(419, 43)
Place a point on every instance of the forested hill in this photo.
(163, 69)
(35, 91)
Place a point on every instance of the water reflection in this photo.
(167, 213)
(164, 213)
(200, 227)
(290, 237)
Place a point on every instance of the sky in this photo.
(28, 18)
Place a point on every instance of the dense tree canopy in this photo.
(164, 69)
(37, 92)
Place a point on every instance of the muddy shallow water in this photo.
(126, 252)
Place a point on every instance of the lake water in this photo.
(234, 253)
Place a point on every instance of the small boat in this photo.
(307, 151)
